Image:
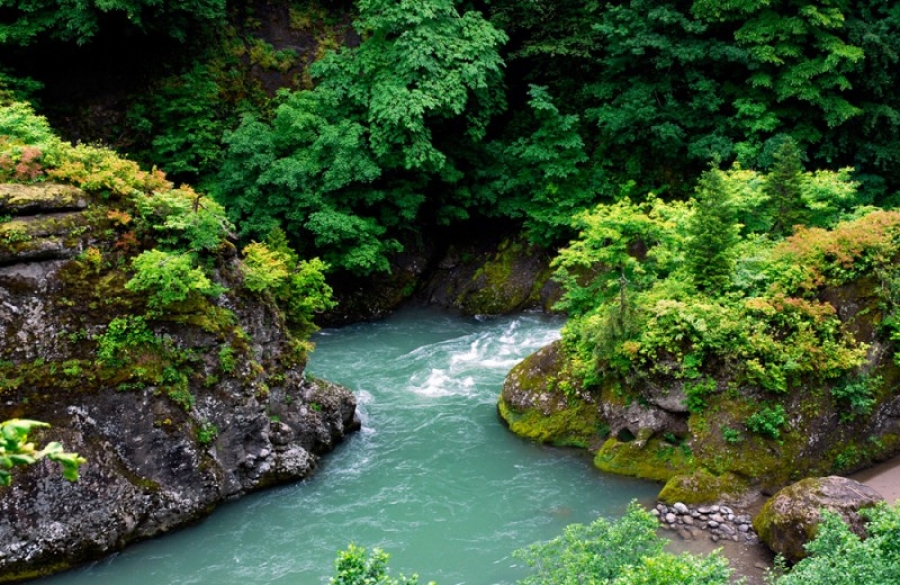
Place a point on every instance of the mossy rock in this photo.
(577, 426)
(702, 487)
(652, 458)
(790, 518)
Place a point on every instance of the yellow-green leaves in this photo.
(16, 449)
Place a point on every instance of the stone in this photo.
(680, 508)
(712, 524)
(790, 518)
(688, 520)
(670, 518)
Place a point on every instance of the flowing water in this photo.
(434, 478)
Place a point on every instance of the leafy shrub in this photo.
(768, 421)
(355, 566)
(124, 340)
(298, 286)
(837, 556)
(626, 551)
(184, 220)
(167, 278)
(857, 394)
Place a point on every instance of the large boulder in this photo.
(791, 517)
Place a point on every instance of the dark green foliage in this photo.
(26, 21)
(185, 122)
(767, 421)
(713, 233)
(784, 188)
(344, 167)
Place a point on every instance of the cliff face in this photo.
(175, 410)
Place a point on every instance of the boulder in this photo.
(791, 517)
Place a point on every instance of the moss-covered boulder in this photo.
(790, 518)
(539, 402)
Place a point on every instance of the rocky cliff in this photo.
(717, 432)
(179, 398)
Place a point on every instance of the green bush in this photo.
(167, 278)
(767, 421)
(355, 566)
(837, 556)
(626, 551)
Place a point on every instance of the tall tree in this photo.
(785, 189)
(712, 235)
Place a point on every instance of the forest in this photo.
(700, 172)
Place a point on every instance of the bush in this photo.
(622, 552)
(168, 278)
(837, 556)
(767, 421)
(356, 567)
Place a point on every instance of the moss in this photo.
(579, 425)
(702, 487)
(653, 458)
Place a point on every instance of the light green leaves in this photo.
(15, 450)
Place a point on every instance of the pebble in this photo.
(719, 521)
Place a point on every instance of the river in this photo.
(433, 477)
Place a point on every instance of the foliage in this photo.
(840, 557)
(16, 450)
(768, 421)
(184, 220)
(298, 286)
(355, 566)
(784, 189)
(627, 284)
(622, 552)
(183, 122)
(26, 21)
(664, 87)
(856, 395)
(168, 278)
(125, 339)
(347, 165)
(712, 235)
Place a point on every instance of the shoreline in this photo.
(753, 560)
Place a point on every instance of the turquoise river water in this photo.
(434, 477)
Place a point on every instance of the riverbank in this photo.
(752, 560)
(883, 478)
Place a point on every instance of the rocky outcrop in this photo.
(791, 517)
(207, 401)
(695, 434)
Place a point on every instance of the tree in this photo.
(26, 21)
(785, 188)
(712, 235)
(346, 167)
(16, 450)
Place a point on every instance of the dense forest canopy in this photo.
(441, 111)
